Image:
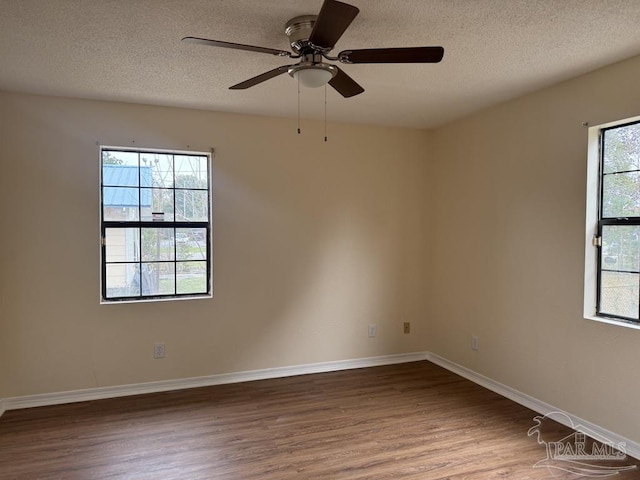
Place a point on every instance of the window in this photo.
(155, 224)
(616, 231)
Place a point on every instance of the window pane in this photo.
(158, 200)
(157, 244)
(621, 247)
(191, 244)
(191, 172)
(199, 235)
(183, 244)
(158, 278)
(621, 195)
(621, 149)
(123, 280)
(195, 246)
(191, 277)
(160, 169)
(619, 294)
(192, 205)
(120, 204)
(120, 169)
(122, 244)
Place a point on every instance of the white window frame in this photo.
(591, 230)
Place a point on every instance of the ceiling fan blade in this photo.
(393, 55)
(261, 78)
(345, 85)
(334, 18)
(237, 46)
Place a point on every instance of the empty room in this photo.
(312, 239)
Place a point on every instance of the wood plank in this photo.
(409, 421)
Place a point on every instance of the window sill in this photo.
(613, 321)
(150, 300)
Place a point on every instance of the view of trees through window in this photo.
(619, 225)
(155, 224)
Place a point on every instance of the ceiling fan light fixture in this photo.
(313, 75)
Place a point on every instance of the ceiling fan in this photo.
(312, 37)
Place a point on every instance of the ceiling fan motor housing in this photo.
(298, 30)
(313, 72)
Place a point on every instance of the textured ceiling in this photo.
(130, 50)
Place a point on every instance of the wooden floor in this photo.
(413, 421)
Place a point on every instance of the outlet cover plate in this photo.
(158, 350)
(372, 329)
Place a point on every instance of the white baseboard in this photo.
(543, 408)
(57, 398)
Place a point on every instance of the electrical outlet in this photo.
(475, 345)
(372, 329)
(407, 327)
(158, 350)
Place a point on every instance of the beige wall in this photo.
(474, 228)
(313, 242)
(509, 250)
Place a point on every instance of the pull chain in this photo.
(298, 105)
(325, 112)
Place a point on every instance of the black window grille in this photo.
(155, 224)
(618, 236)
